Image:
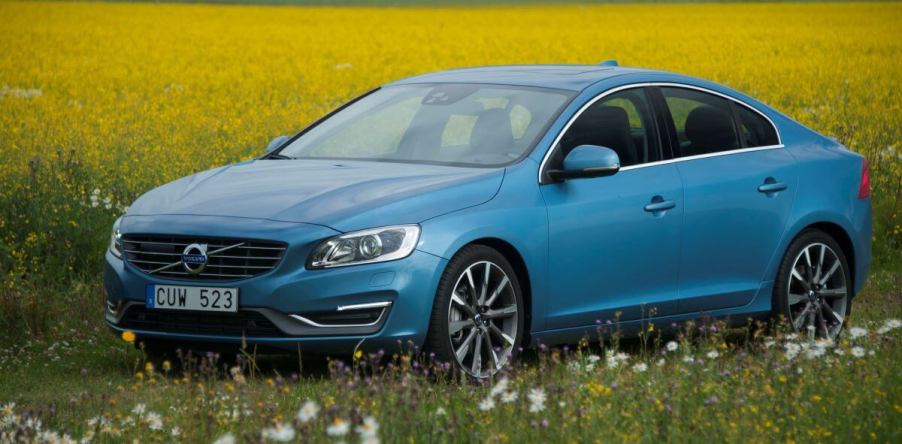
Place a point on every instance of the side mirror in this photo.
(587, 161)
(275, 143)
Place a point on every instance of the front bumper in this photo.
(282, 308)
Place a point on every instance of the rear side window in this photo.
(703, 122)
(754, 129)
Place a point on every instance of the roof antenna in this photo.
(610, 62)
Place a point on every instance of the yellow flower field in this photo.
(100, 102)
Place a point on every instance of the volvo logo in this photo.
(194, 258)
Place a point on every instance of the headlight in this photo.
(365, 247)
(116, 240)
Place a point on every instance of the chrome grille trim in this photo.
(161, 255)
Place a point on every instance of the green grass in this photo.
(750, 392)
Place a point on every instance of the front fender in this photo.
(517, 216)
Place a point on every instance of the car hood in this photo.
(344, 195)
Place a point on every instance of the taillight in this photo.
(864, 188)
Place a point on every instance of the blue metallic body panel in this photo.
(730, 229)
(588, 247)
(606, 253)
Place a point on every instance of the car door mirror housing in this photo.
(275, 143)
(587, 161)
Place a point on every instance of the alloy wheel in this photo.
(482, 319)
(818, 292)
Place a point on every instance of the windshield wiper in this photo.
(277, 156)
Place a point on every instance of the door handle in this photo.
(658, 204)
(771, 186)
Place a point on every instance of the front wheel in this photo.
(477, 319)
(813, 286)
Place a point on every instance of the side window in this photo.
(754, 129)
(704, 122)
(622, 122)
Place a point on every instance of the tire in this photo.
(466, 320)
(810, 297)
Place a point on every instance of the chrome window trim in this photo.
(701, 156)
(608, 92)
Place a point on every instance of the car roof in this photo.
(568, 77)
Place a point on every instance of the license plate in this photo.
(175, 297)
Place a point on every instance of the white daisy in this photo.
(154, 421)
(536, 398)
(280, 433)
(228, 438)
(308, 411)
(500, 387)
(368, 428)
(338, 428)
(508, 397)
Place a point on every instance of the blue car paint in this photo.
(621, 259)
(722, 267)
(582, 268)
(345, 195)
(588, 157)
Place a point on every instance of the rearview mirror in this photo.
(587, 161)
(275, 143)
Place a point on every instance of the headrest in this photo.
(709, 129)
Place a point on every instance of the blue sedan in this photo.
(478, 211)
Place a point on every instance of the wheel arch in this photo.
(839, 233)
(842, 238)
(510, 252)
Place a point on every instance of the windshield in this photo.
(461, 124)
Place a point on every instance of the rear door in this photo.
(738, 185)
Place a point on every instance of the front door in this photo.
(614, 242)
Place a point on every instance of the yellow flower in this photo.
(167, 365)
(128, 336)
(358, 354)
(597, 389)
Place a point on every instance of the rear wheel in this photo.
(477, 319)
(813, 286)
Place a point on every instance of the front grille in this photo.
(241, 324)
(227, 259)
